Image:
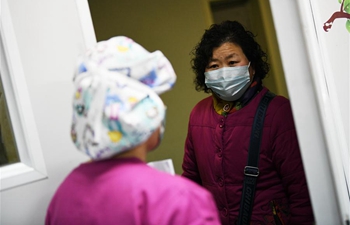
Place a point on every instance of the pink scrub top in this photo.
(127, 191)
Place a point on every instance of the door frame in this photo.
(32, 165)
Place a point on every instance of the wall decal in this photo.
(344, 12)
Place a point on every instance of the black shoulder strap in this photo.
(251, 171)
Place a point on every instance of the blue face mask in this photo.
(228, 83)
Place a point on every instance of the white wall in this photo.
(49, 37)
(335, 49)
(316, 65)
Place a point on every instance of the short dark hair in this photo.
(218, 34)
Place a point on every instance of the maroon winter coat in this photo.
(216, 152)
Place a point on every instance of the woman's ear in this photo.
(251, 72)
(154, 140)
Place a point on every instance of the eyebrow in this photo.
(227, 57)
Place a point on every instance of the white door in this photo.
(314, 42)
(39, 42)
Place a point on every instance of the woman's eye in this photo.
(212, 66)
(232, 63)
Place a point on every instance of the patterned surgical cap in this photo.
(116, 104)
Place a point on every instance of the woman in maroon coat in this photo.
(230, 65)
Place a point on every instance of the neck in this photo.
(139, 152)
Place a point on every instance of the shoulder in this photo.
(279, 115)
(202, 112)
(278, 105)
(179, 184)
(203, 104)
(277, 100)
(280, 102)
(167, 186)
(185, 201)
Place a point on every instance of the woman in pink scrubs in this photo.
(118, 118)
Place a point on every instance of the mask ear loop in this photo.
(253, 73)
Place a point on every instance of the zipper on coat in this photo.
(275, 214)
